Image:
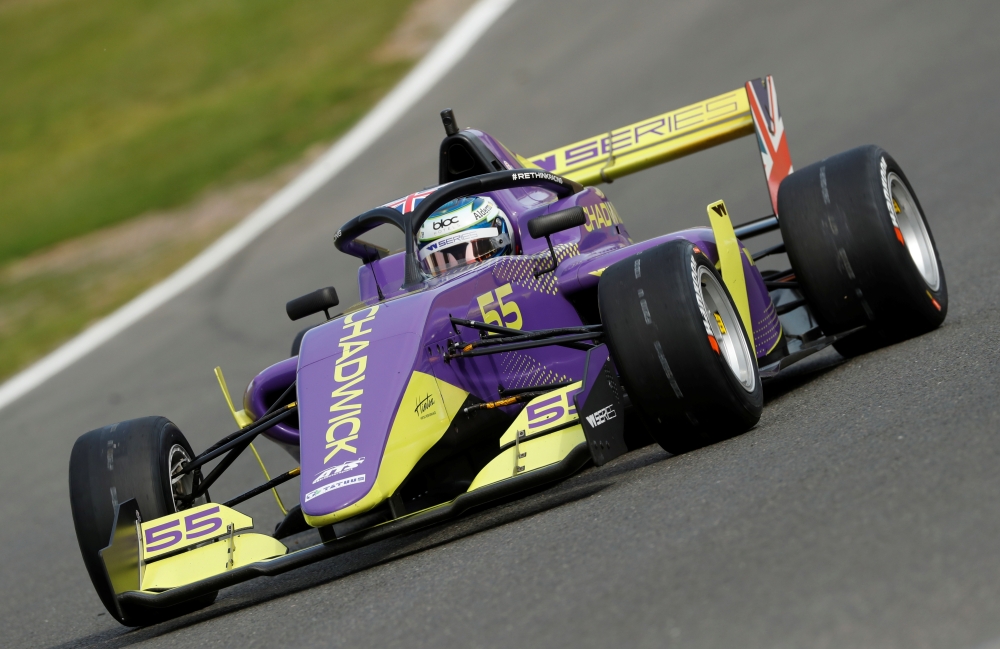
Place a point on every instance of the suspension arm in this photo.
(243, 439)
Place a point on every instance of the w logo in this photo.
(604, 414)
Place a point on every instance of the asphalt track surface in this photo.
(862, 510)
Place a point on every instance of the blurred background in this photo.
(132, 134)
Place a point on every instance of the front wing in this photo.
(175, 558)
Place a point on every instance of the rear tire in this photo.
(297, 341)
(861, 249)
(694, 381)
(114, 464)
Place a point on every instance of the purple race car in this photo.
(504, 346)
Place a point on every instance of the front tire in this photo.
(679, 345)
(111, 465)
(861, 249)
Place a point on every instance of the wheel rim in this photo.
(725, 325)
(914, 230)
(180, 484)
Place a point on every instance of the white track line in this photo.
(412, 88)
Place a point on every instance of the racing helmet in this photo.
(462, 232)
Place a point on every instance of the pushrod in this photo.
(270, 484)
(527, 344)
(530, 335)
(754, 228)
(259, 426)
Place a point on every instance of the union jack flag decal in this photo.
(409, 203)
(770, 134)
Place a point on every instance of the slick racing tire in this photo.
(111, 465)
(861, 249)
(297, 342)
(678, 343)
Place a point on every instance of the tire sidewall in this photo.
(750, 402)
(915, 283)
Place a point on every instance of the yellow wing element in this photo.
(221, 534)
(653, 141)
(189, 527)
(544, 412)
(424, 415)
(242, 420)
(210, 560)
(530, 455)
(730, 256)
(241, 416)
(529, 447)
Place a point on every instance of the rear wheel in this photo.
(861, 249)
(136, 459)
(297, 341)
(680, 347)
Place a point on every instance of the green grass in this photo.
(112, 108)
(41, 311)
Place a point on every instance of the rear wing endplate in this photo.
(666, 137)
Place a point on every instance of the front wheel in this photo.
(679, 345)
(139, 459)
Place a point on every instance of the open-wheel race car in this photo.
(502, 348)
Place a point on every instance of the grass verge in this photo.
(50, 295)
(190, 113)
(112, 108)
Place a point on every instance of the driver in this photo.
(462, 232)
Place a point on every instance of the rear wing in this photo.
(666, 137)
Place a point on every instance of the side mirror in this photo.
(322, 300)
(549, 224)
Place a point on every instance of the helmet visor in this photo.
(461, 249)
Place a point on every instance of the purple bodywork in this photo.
(352, 371)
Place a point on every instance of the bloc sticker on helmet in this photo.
(457, 215)
(462, 232)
